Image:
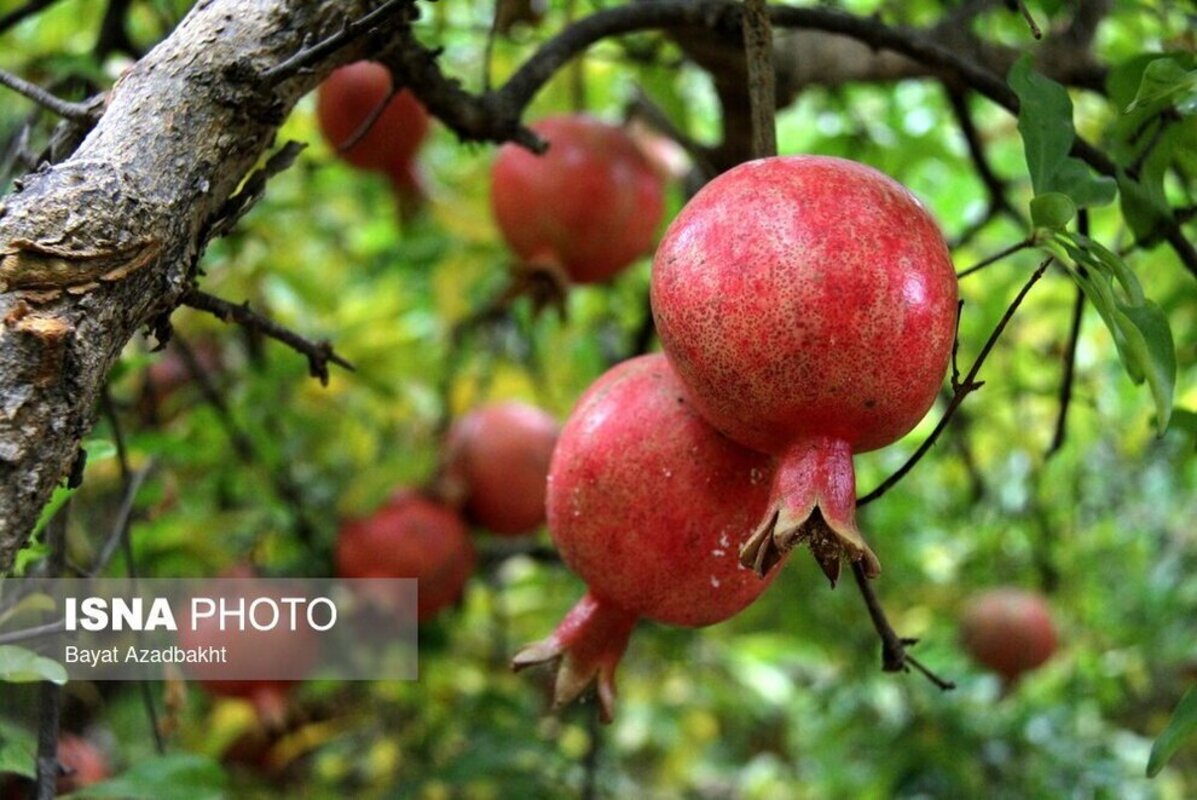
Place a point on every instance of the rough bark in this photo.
(180, 132)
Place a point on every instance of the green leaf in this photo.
(57, 501)
(1052, 210)
(1140, 328)
(18, 665)
(173, 777)
(1180, 727)
(1148, 334)
(1045, 123)
(18, 750)
(1164, 81)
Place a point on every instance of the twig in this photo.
(995, 187)
(642, 105)
(310, 54)
(319, 354)
(966, 387)
(114, 31)
(124, 517)
(1069, 373)
(590, 760)
(1021, 7)
(24, 12)
(368, 122)
(251, 191)
(34, 632)
(132, 482)
(79, 112)
(894, 657)
(284, 486)
(993, 259)
(48, 768)
(762, 91)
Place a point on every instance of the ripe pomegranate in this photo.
(276, 651)
(1009, 630)
(647, 504)
(346, 101)
(410, 537)
(588, 207)
(497, 462)
(809, 306)
(82, 762)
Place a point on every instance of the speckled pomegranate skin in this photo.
(649, 504)
(806, 296)
(410, 537)
(590, 205)
(347, 98)
(498, 456)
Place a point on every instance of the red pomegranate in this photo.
(82, 762)
(647, 504)
(276, 651)
(497, 462)
(809, 307)
(1009, 630)
(589, 206)
(348, 98)
(410, 537)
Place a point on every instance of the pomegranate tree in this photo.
(647, 504)
(587, 208)
(496, 463)
(1009, 630)
(809, 306)
(345, 103)
(410, 537)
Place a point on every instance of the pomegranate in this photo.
(647, 504)
(587, 207)
(410, 537)
(1009, 630)
(82, 762)
(809, 306)
(497, 461)
(275, 651)
(348, 98)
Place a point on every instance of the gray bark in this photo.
(181, 130)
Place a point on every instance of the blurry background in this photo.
(786, 700)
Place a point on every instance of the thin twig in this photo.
(284, 485)
(251, 191)
(762, 92)
(319, 354)
(50, 703)
(132, 482)
(79, 112)
(894, 657)
(966, 387)
(993, 259)
(1069, 373)
(590, 760)
(1021, 7)
(308, 55)
(22, 13)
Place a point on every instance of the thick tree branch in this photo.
(180, 132)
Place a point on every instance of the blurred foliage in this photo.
(786, 700)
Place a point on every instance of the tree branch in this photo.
(962, 389)
(180, 132)
(79, 112)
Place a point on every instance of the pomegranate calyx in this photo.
(586, 648)
(814, 502)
